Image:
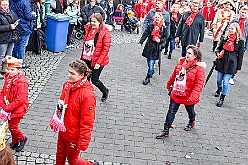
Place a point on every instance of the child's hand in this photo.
(139, 45)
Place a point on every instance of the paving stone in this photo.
(126, 125)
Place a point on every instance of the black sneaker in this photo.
(163, 134)
(13, 145)
(21, 144)
(165, 52)
(105, 96)
(96, 163)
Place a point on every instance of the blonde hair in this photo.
(238, 32)
(161, 16)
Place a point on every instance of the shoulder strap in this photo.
(190, 68)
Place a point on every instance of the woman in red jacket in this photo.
(95, 50)
(186, 83)
(79, 102)
(14, 101)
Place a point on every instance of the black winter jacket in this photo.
(5, 27)
(231, 61)
(152, 49)
(189, 34)
(174, 25)
(87, 11)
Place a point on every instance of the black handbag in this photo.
(15, 36)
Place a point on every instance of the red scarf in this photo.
(159, 10)
(191, 18)
(229, 45)
(68, 87)
(6, 11)
(156, 30)
(174, 16)
(91, 34)
(242, 24)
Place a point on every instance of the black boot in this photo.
(105, 95)
(190, 126)
(21, 144)
(217, 93)
(164, 133)
(13, 145)
(165, 52)
(221, 101)
(147, 80)
(214, 45)
(169, 56)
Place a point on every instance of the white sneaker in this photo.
(69, 46)
(231, 81)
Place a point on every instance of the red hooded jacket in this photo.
(194, 82)
(80, 115)
(18, 97)
(100, 55)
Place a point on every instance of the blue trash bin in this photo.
(56, 33)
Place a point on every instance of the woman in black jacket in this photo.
(157, 34)
(175, 17)
(7, 24)
(230, 57)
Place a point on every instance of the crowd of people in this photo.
(165, 26)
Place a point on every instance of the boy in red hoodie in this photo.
(14, 101)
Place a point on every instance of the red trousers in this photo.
(16, 133)
(69, 150)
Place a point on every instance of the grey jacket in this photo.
(190, 34)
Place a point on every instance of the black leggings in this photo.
(95, 77)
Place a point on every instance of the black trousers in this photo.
(69, 35)
(94, 77)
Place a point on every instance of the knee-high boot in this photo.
(221, 101)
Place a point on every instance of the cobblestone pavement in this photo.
(126, 125)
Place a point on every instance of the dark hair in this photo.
(80, 67)
(98, 17)
(196, 51)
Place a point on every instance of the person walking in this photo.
(8, 24)
(156, 34)
(230, 57)
(191, 28)
(79, 100)
(159, 8)
(242, 20)
(221, 20)
(14, 101)
(96, 47)
(175, 16)
(22, 10)
(186, 82)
